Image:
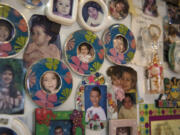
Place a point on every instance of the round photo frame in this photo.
(34, 3)
(40, 85)
(13, 126)
(88, 18)
(18, 31)
(174, 57)
(81, 62)
(119, 34)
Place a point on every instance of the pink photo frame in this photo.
(131, 124)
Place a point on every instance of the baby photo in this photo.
(118, 8)
(120, 44)
(63, 8)
(85, 52)
(50, 84)
(150, 8)
(95, 102)
(60, 127)
(92, 13)
(6, 131)
(123, 131)
(44, 37)
(128, 109)
(11, 87)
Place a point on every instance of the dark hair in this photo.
(50, 28)
(126, 6)
(115, 71)
(8, 26)
(58, 81)
(97, 89)
(12, 87)
(58, 127)
(128, 95)
(124, 41)
(85, 44)
(55, 9)
(6, 131)
(90, 4)
(153, 7)
(172, 30)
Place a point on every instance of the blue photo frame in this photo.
(20, 32)
(34, 86)
(77, 38)
(110, 34)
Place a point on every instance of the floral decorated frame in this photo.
(109, 35)
(149, 113)
(49, 64)
(74, 40)
(44, 118)
(20, 35)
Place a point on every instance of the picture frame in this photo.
(47, 124)
(150, 116)
(57, 15)
(129, 124)
(12, 75)
(88, 21)
(19, 31)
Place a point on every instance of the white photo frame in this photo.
(99, 22)
(62, 17)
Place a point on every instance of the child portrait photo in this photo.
(63, 8)
(118, 8)
(11, 86)
(150, 8)
(123, 131)
(60, 127)
(92, 13)
(95, 102)
(44, 37)
(85, 52)
(6, 131)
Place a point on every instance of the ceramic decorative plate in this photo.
(12, 126)
(49, 82)
(174, 57)
(84, 52)
(119, 43)
(14, 31)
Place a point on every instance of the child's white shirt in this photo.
(85, 58)
(95, 110)
(95, 22)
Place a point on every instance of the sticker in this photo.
(14, 32)
(84, 52)
(119, 43)
(49, 82)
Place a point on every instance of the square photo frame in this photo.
(50, 122)
(160, 121)
(123, 127)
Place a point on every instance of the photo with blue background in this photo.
(103, 100)
(66, 125)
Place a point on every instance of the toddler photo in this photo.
(92, 13)
(95, 102)
(85, 52)
(150, 8)
(123, 131)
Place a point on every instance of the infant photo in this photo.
(95, 102)
(92, 14)
(63, 8)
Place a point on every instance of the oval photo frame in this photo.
(127, 39)
(73, 59)
(43, 97)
